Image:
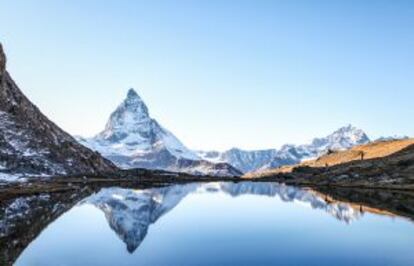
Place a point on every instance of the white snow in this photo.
(18, 141)
(11, 177)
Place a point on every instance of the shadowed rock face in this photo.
(2, 61)
(31, 144)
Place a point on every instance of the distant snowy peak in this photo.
(245, 161)
(249, 161)
(343, 138)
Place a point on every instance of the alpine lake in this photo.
(217, 223)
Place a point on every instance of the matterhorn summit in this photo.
(132, 139)
(129, 116)
(131, 131)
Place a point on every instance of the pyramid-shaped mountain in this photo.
(132, 139)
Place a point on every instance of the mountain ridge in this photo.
(250, 161)
(132, 139)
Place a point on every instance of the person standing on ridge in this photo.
(362, 154)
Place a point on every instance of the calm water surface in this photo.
(220, 224)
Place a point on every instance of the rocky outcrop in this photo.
(2, 61)
(31, 144)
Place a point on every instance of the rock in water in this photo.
(30, 144)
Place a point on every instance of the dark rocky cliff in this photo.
(31, 144)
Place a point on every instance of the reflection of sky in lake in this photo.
(209, 226)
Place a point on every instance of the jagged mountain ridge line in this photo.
(249, 161)
(131, 122)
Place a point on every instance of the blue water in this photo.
(220, 224)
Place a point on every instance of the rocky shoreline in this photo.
(141, 178)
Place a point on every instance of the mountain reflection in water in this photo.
(130, 212)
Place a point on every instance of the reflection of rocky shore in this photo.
(399, 203)
(23, 219)
(131, 212)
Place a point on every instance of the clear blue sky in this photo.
(218, 74)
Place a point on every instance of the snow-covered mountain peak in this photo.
(128, 116)
(132, 93)
(134, 103)
(343, 138)
(131, 131)
(349, 130)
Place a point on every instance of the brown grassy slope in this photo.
(371, 151)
